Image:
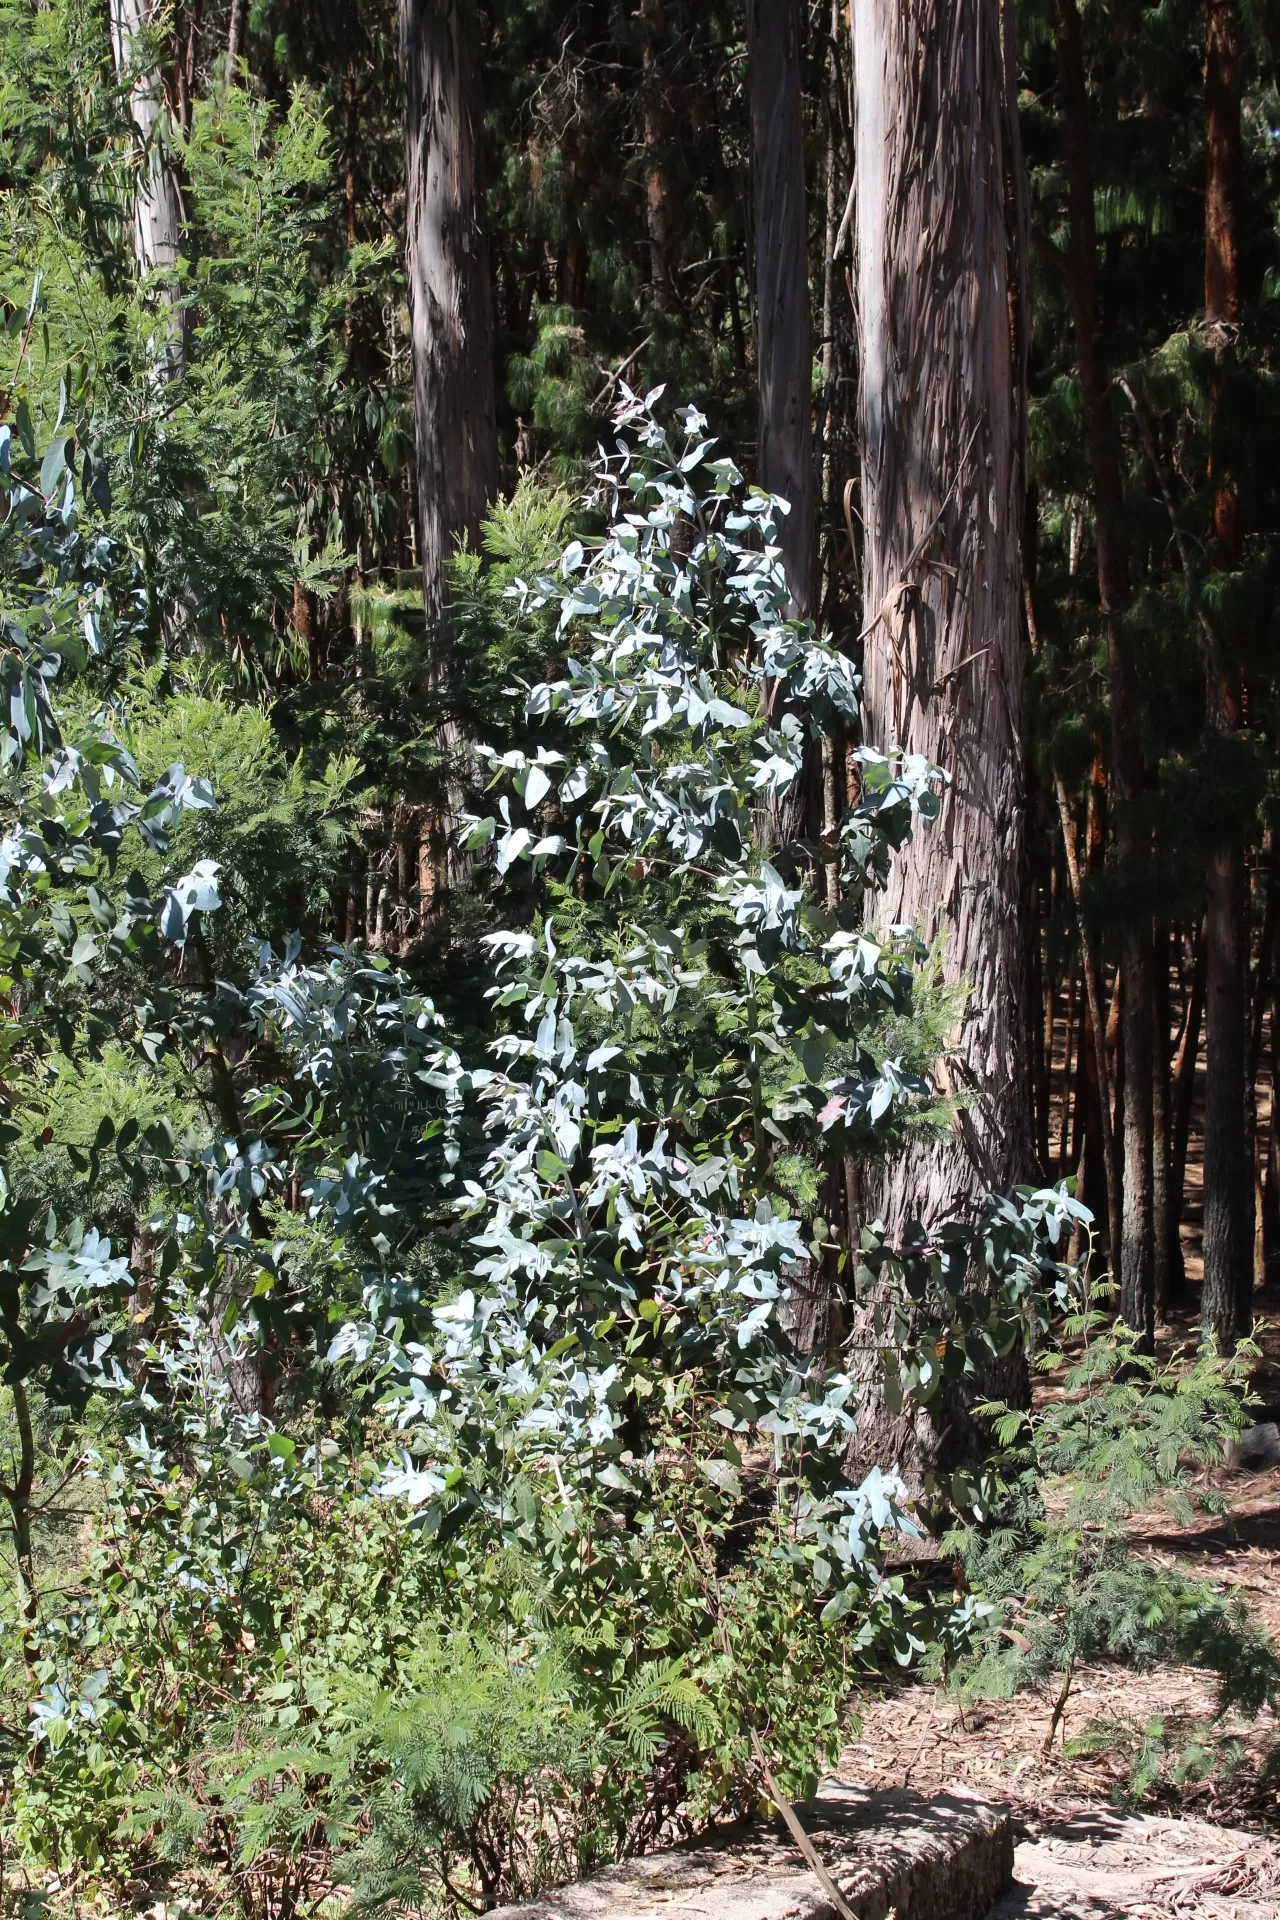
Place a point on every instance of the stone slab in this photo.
(1108, 1864)
(896, 1853)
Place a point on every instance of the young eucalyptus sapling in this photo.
(687, 1037)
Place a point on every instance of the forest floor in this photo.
(1209, 1848)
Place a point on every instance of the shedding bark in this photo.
(450, 301)
(942, 506)
(157, 201)
(1135, 1268)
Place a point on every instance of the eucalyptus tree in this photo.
(1134, 1259)
(1228, 1188)
(784, 331)
(686, 1038)
(157, 198)
(447, 268)
(942, 510)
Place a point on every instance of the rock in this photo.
(947, 1857)
(1104, 1864)
(1256, 1447)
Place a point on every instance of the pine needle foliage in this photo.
(1050, 1551)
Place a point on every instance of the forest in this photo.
(639, 923)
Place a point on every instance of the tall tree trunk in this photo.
(1184, 1082)
(660, 210)
(1271, 1185)
(157, 202)
(784, 334)
(1161, 1131)
(1223, 165)
(1228, 1177)
(1135, 1267)
(235, 39)
(1092, 968)
(942, 505)
(447, 267)
(1260, 1000)
(1226, 1304)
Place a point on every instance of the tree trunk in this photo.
(1064, 1118)
(1042, 996)
(942, 506)
(1161, 1131)
(1223, 166)
(660, 211)
(1228, 1179)
(235, 39)
(1135, 1267)
(1227, 1300)
(157, 201)
(18, 1496)
(1184, 1083)
(784, 340)
(1260, 1000)
(1271, 1186)
(1092, 968)
(447, 267)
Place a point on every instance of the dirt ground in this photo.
(1211, 1848)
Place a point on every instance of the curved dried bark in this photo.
(942, 503)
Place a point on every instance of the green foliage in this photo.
(1050, 1551)
(419, 1473)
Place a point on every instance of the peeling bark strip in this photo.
(447, 266)
(942, 502)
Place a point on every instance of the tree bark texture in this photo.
(942, 506)
(1228, 1174)
(235, 39)
(1184, 1079)
(447, 266)
(784, 337)
(1161, 1130)
(1092, 967)
(1223, 165)
(660, 208)
(1226, 1302)
(1135, 1267)
(157, 202)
